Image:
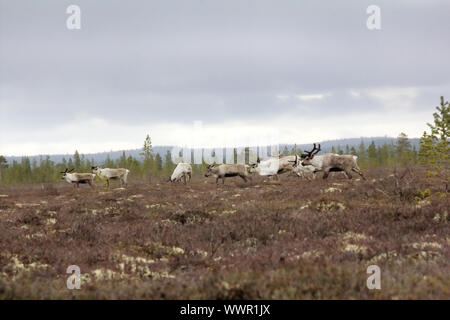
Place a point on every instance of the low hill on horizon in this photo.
(100, 157)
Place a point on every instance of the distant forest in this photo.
(157, 161)
(100, 158)
(432, 150)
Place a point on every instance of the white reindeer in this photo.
(275, 166)
(77, 178)
(111, 174)
(182, 171)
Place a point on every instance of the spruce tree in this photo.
(147, 154)
(77, 160)
(69, 163)
(3, 166)
(434, 149)
(372, 153)
(168, 163)
(403, 149)
(123, 160)
(158, 162)
(347, 149)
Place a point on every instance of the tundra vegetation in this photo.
(296, 239)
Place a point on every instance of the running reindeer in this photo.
(331, 162)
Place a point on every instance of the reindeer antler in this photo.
(317, 150)
(310, 154)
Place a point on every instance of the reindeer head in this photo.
(309, 155)
(95, 169)
(209, 170)
(65, 172)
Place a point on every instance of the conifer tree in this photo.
(362, 150)
(434, 149)
(123, 160)
(403, 149)
(168, 163)
(77, 160)
(347, 149)
(69, 163)
(158, 162)
(3, 166)
(147, 154)
(372, 153)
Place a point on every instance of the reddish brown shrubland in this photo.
(293, 240)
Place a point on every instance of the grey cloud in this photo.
(155, 61)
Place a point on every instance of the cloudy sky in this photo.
(297, 70)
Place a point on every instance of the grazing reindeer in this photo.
(77, 178)
(182, 171)
(227, 170)
(307, 171)
(110, 174)
(331, 162)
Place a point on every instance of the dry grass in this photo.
(293, 240)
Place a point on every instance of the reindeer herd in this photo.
(105, 174)
(305, 165)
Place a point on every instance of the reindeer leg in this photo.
(348, 174)
(325, 174)
(358, 171)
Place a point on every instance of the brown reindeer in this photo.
(331, 162)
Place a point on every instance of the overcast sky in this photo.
(300, 71)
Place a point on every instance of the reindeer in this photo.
(331, 162)
(307, 171)
(275, 166)
(109, 174)
(227, 170)
(182, 171)
(77, 178)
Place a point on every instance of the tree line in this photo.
(434, 153)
